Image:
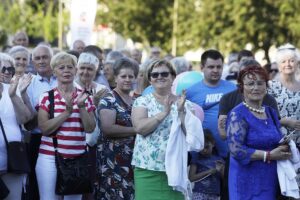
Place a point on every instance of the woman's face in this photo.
(124, 80)
(108, 72)
(7, 71)
(208, 148)
(21, 60)
(65, 72)
(86, 73)
(161, 78)
(254, 88)
(288, 64)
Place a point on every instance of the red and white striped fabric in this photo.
(71, 135)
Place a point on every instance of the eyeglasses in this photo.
(10, 70)
(257, 83)
(273, 70)
(162, 74)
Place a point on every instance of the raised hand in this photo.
(168, 103)
(13, 85)
(25, 82)
(181, 101)
(81, 99)
(99, 95)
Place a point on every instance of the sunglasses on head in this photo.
(162, 74)
(9, 69)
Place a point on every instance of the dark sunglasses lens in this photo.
(9, 69)
(165, 74)
(154, 75)
(274, 70)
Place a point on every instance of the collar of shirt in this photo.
(41, 78)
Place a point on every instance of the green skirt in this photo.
(153, 185)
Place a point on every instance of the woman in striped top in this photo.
(73, 117)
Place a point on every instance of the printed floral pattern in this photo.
(114, 156)
(149, 151)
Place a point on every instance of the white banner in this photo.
(83, 13)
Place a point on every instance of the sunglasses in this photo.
(10, 70)
(273, 70)
(162, 74)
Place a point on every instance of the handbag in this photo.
(73, 174)
(17, 157)
(4, 191)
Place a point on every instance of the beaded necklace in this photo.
(259, 111)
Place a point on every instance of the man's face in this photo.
(212, 70)
(108, 72)
(21, 39)
(78, 46)
(41, 60)
(136, 55)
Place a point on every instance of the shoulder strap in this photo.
(3, 132)
(51, 115)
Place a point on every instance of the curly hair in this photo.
(251, 70)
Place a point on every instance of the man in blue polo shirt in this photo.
(208, 93)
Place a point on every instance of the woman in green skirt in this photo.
(152, 120)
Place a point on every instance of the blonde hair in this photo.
(62, 57)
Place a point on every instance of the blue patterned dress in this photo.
(252, 179)
(114, 156)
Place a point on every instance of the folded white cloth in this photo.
(287, 174)
(177, 149)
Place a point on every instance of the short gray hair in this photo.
(113, 56)
(42, 46)
(8, 58)
(88, 58)
(19, 48)
(284, 50)
(62, 57)
(180, 64)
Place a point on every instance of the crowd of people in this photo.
(122, 113)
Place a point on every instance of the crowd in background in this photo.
(122, 110)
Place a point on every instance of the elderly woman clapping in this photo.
(73, 118)
(13, 112)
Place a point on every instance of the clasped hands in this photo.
(179, 100)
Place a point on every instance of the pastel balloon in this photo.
(185, 80)
(198, 111)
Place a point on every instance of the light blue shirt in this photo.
(37, 87)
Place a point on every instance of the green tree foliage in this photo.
(231, 24)
(37, 18)
(149, 22)
(227, 25)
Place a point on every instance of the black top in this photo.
(232, 99)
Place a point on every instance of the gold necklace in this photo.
(257, 110)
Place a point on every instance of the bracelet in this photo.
(268, 157)
(265, 156)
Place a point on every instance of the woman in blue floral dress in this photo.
(117, 139)
(253, 133)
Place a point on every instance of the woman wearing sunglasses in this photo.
(13, 113)
(152, 120)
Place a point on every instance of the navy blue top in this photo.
(211, 184)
